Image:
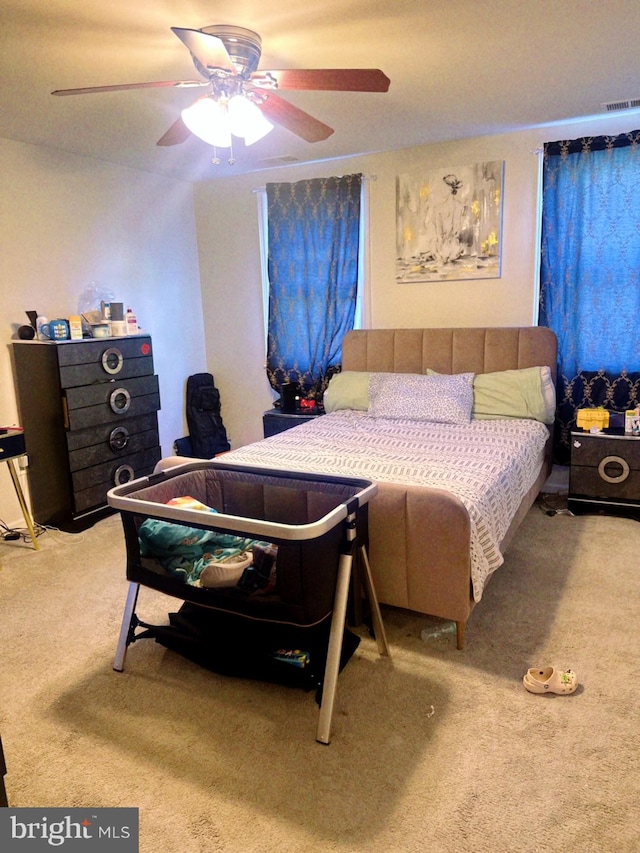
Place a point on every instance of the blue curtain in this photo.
(590, 273)
(314, 232)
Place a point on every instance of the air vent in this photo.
(279, 161)
(614, 106)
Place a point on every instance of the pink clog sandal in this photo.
(550, 680)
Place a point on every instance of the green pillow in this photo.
(526, 393)
(347, 390)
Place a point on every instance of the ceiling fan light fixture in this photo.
(208, 119)
(240, 99)
(214, 120)
(246, 120)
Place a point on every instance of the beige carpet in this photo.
(433, 750)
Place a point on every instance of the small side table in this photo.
(605, 473)
(275, 420)
(11, 446)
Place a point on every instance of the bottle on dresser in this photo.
(132, 322)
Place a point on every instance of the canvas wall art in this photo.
(449, 223)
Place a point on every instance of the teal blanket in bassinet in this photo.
(186, 552)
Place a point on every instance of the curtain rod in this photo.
(364, 178)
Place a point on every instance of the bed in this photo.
(451, 494)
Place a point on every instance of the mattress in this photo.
(490, 465)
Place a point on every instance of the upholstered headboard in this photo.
(459, 350)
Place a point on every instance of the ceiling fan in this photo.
(240, 99)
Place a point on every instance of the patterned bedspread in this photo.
(488, 464)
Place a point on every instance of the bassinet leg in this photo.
(125, 628)
(334, 650)
(376, 616)
(460, 626)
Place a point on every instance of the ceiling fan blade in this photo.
(177, 133)
(208, 49)
(328, 79)
(281, 112)
(122, 87)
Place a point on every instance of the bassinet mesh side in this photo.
(306, 569)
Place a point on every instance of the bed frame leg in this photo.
(125, 627)
(376, 616)
(460, 626)
(334, 650)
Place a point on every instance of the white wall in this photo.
(68, 221)
(226, 214)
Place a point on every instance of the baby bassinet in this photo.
(318, 524)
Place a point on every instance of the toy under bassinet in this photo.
(315, 525)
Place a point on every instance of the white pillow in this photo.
(412, 396)
(548, 395)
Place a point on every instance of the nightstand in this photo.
(605, 473)
(275, 420)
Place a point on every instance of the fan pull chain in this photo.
(216, 160)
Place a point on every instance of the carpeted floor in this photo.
(433, 750)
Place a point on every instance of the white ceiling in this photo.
(458, 68)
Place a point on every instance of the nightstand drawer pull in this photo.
(614, 460)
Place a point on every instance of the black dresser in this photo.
(89, 411)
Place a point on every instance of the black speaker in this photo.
(289, 397)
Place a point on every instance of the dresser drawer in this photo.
(97, 361)
(107, 402)
(98, 414)
(88, 374)
(113, 395)
(90, 485)
(104, 433)
(91, 351)
(124, 443)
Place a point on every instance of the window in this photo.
(590, 272)
(313, 255)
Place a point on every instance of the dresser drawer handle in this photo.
(123, 474)
(112, 360)
(119, 438)
(119, 401)
(615, 460)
